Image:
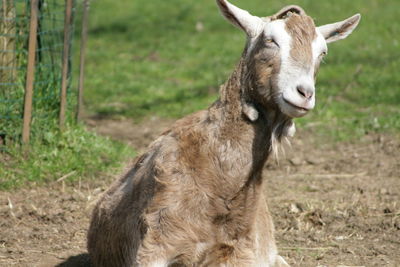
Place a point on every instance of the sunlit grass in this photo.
(169, 57)
(74, 154)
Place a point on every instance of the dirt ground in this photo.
(333, 204)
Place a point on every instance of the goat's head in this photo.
(282, 55)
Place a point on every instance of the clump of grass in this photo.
(75, 152)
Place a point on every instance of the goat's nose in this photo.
(305, 91)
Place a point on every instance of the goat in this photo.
(195, 198)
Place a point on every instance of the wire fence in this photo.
(49, 73)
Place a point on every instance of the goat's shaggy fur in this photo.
(196, 197)
(197, 194)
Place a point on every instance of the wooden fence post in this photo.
(64, 78)
(30, 73)
(84, 34)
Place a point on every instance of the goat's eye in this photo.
(324, 53)
(271, 42)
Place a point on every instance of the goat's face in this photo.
(283, 54)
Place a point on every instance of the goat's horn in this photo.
(240, 18)
(292, 8)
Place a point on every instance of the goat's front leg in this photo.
(156, 263)
(151, 258)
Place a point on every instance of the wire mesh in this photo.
(14, 32)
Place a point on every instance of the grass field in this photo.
(169, 57)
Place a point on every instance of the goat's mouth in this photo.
(294, 110)
(303, 109)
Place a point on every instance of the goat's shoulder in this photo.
(161, 155)
(136, 182)
(161, 166)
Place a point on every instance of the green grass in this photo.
(76, 152)
(146, 58)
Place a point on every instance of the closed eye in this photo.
(271, 42)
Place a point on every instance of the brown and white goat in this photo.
(195, 198)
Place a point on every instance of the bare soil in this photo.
(333, 204)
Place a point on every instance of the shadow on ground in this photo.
(81, 260)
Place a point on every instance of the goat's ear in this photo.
(252, 25)
(339, 30)
(284, 12)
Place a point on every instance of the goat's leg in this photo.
(155, 263)
(151, 253)
(151, 258)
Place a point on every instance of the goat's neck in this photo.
(235, 104)
(256, 138)
(247, 142)
(231, 93)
